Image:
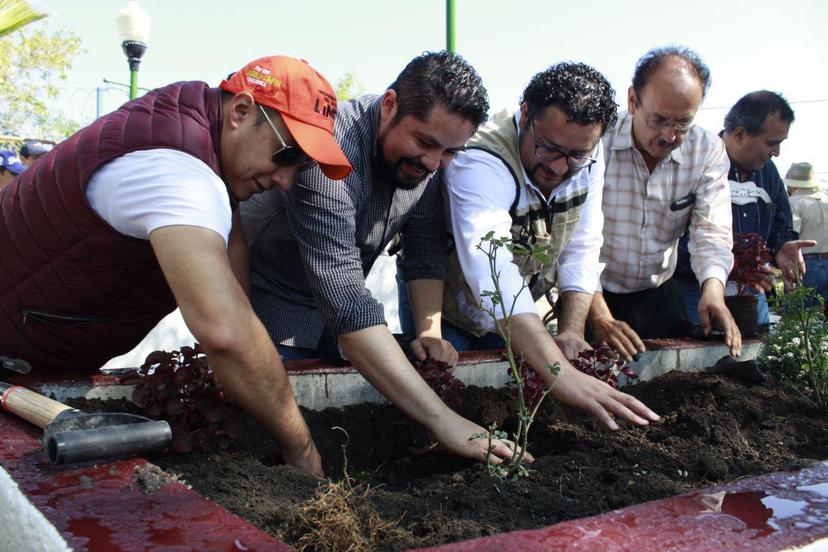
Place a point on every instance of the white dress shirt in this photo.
(480, 190)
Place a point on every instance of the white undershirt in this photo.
(480, 191)
(145, 190)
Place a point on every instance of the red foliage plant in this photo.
(437, 375)
(604, 364)
(749, 255)
(181, 388)
(533, 385)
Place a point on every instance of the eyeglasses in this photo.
(680, 128)
(659, 124)
(287, 156)
(550, 153)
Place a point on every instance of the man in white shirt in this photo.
(132, 216)
(536, 176)
(663, 176)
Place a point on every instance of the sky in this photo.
(748, 45)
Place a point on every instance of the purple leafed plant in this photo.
(533, 386)
(749, 255)
(437, 375)
(180, 387)
(604, 364)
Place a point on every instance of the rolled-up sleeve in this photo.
(480, 191)
(711, 224)
(322, 216)
(423, 236)
(579, 265)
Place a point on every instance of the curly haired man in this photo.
(536, 174)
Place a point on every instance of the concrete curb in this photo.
(319, 385)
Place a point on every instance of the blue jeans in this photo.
(327, 349)
(458, 337)
(691, 293)
(816, 276)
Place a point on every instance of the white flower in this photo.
(795, 341)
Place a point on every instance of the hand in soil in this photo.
(712, 309)
(435, 348)
(571, 344)
(306, 458)
(618, 335)
(453, 433)
(599, 399)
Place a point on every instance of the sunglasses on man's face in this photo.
(287, 156)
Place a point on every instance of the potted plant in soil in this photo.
(750, 255)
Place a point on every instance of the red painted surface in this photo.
(100, 507)
(772, 512)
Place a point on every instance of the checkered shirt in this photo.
(311, 248)
(643, 222)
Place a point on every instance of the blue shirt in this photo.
(763, 210)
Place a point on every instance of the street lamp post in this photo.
(450, 26)
(133, 25)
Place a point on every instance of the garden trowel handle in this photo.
(32, 407)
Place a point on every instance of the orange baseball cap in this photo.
(303, 98)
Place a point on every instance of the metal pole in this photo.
(450, 26)
(134, 51)
(133, 83)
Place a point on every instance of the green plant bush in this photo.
(795, 352)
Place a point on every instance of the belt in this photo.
(812, 256)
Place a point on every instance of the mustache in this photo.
(543, 170)
(415, 164)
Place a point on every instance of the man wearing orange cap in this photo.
(134, 215)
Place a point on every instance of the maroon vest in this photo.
(74, 292)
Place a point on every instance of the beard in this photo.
(534, 176)
(397, 174)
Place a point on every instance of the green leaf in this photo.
(554, 369)
(14, 14)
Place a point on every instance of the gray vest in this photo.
(533, 223)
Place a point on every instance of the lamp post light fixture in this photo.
(133, 25)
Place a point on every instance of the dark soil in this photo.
(713, 430)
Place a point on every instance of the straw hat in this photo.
(801, 175)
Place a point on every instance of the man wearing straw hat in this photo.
(809, 205)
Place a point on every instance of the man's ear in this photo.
(525, 115)
(241, 107)
(632, 100)
(388, 106)
(739, 134)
